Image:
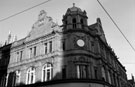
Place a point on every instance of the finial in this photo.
(9, 37)
(132, 77)
(9, 33)
(73, 4)
(15, 38)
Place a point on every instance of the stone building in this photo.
(4, 61)
(74, 54)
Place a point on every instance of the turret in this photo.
(74, 18)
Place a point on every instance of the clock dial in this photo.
(80, 43)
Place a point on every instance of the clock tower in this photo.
(78, 44)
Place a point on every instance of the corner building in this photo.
(72, 55)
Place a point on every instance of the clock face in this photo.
(80, 43)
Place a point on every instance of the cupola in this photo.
(74, 18)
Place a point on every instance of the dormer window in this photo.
(74, 23)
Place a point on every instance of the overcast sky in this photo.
(122, 12)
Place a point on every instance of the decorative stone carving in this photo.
(42, 15)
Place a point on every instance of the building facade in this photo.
(4, 61)
(74, 54)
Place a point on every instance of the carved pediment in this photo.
(42, 26)
(42, 15)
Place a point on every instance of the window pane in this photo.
(44, 75)
(30, 52)
(81, 71)
(84, 71)
(17, 77)
(48, 75)
(28, 78)
(30, 75)
(64, 73)
(35, 51)
(21, 52)
(17, 56)
(45, 48)
(50, 46)
(78, 71)
(31, 78)
(47, 72)
(103, 73)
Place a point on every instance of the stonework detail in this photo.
(74, 54)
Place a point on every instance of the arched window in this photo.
(30, 77)
(47, 72)
(74, 23)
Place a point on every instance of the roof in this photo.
(74, 9)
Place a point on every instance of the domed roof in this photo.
(74, 8)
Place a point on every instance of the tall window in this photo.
(17, 57)
(6, 79)
(45, 48)
(30, 52)
(64, 72)
(74, 23)
(47, 72)
(21, 54)
(102, 49)
(50, 47)
(92, 46)
(3, 81)
(82, 71)
(30, 76)
(108, 56)
(82, 23)
(96, 72)
(18, 77)
(118, 81)
(66, 24)
(109, 77)
(35, 51)
(11, 79)
(63, 45)
(114, 79)
(103, 74)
